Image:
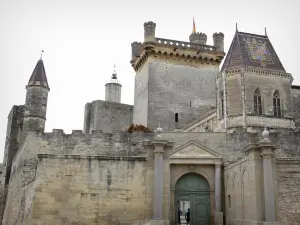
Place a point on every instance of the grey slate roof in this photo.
(251, 51)
(38, 76)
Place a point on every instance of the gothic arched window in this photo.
(276, 104)
(257, 102)
(222, 103)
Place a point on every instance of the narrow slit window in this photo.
(222, 103)
(276, 104)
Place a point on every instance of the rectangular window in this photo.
(229, 201)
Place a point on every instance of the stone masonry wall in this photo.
(141, 86)
(234, 95)
(21, 191)
(288, 183)
(267, 86)
(187, 90)
(110, 117)
(296, 104)
(95, 191)
(24, 179)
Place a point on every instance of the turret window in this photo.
(276, 104)
(257, 103)
(222, 103)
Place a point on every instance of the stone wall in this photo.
(234, 95)
(25, 177)
(296, 104)
(89, 190)
(267, 86)
(141, 89)
(288, 183)
(109, 117)
(74, 152)
(244, 190)
(179, 88)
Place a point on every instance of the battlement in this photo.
(199, 38)
(195, 51)
(79, 134)
(173, 49)
(186, 45)
(78, 143)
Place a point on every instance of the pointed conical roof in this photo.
(251, 51)
(38, 77)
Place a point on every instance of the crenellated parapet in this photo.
(195, 51)
(96, 143)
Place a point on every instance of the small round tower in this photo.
(219, 41)
(198, 38)
(113, 89)
(149, 31)
(36, 100)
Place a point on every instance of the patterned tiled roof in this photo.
(38, 76)
(251, 51)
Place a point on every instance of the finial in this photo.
(114, 74)
(41, 58)
(265, 135)
(266, 32)
(158, 131)
(236, 27)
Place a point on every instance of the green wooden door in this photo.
(192, 190)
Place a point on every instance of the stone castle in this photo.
(222, 142)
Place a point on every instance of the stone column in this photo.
(267, 151)
(158, 180)
(160, 149)
(218, 188)
(269, 195)
(218, 214)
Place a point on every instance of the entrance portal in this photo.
(192, 192)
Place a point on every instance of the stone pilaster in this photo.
(267, 152)
(218, 214)
(159, 148)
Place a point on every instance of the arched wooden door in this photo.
(192, 191)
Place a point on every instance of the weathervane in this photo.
(42, 54)
(266, 32)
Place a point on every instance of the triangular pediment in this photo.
(192, 149)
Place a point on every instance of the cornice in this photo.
(177, 50)
(257, 71)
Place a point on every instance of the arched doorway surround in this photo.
(193, 191)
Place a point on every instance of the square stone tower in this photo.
(175, 81)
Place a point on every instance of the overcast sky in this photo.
(82, 40)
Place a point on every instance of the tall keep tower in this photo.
(36, 100)
(175, 80)
(113, 89)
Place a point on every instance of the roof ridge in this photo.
(227, 62)
(257, 35)
(241, 55)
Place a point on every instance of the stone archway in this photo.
(193, 191)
